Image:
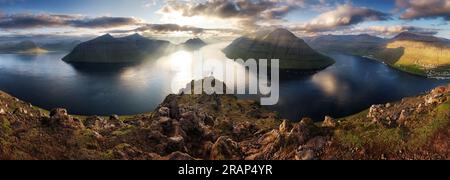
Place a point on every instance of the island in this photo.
(193, 44)
(108, 49)
(24, 47)
(293, 52)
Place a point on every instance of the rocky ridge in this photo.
(219, 127)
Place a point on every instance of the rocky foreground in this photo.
(218, 127)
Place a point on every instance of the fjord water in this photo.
(349, 86)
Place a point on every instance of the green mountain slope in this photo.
(281, 44)
(417, 54)
(413, 53)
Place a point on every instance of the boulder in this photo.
(269, 137)
(58, 113)
(2, 111)
(20, 111)
(115, 121)
(164, 111)
(95, 123)
(329, 122)
(403, 117)
(60, 118)
(207, 119)
(114, 117)
(190, 124)
(284, 127)
(175, 143)
(299, 134)
(305, 155)
(307, 122)
(226, 149)
(243, 130)
(375, 111)
(388, 105)
(420, 108)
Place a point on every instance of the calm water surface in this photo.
(349, 86)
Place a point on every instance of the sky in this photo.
(223, 18)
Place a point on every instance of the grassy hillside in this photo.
(413, 53)
(400, 130)
(422, 58)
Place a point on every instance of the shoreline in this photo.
(399, 69)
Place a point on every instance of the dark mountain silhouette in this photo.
(107, 49)
(351, 44)
(408, 36)
(61, 46)
(281, 44)
(193, 44)
(25, 47)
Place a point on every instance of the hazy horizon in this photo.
(177, 20)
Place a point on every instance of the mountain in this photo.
(24, 47)
(61, 46)
(350, 44)
(409, 36)
(281, 44)
(108, 49)
(190, 127)
(193, 44)
(417, 54)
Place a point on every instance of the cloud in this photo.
(342, 17)
(394, 30)
(104, 22)
(161, 28)
(246, 13)
(419, 9)
(29, 21)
